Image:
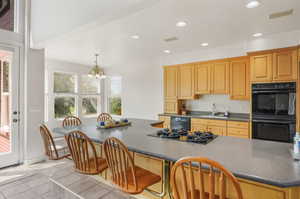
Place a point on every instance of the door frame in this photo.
(17, 61)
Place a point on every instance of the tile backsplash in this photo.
(223, 102)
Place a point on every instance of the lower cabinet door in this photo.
(238, 132)
(218, 130)
(199, 127)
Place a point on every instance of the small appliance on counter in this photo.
(273, 111)
(296, 147)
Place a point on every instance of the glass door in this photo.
(9, 112)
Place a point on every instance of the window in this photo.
(89, 106)
(64, 83)
(90, 95)
(114, 98)
(7, 12)
(65, 98)
(89, 85)
(64, 106)
(75, 94)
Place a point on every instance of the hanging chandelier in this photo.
(97, 71)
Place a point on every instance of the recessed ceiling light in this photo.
(181, 24)
(204, 44)
(257, 34)
(167, 51)
(135, 36)
(252, 4)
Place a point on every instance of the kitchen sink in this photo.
(216, 116)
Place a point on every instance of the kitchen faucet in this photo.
(213, 109)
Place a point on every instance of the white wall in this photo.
(142, 94)
(281, 40)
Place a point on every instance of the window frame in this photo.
(78, 95)
(108, 95)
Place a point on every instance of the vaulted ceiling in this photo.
(73, 30)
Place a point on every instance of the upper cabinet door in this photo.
(170, 82)
(186, 82)
(220, 78)
(261, 68)
(285, 65)
(239, 79)
(202, 78)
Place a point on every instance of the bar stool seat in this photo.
(84, 154)
(144, 178)
(125, 174)
(55, 149)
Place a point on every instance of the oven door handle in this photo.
(274, 121)
(273, 91)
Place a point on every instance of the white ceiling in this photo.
(52, 18)
(74, 33)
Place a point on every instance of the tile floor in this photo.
(53, 180)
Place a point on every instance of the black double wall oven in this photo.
(273, 111)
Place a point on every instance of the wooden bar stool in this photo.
(104, 117)
(71, 121)
(55, 149)
(189, 173)
(84, 154)
(128, 177)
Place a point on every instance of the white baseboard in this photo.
(34, 160)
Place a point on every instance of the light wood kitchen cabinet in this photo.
(217, 127)
(221, 127)
(217, 130)
(239, 79)
(275, 65)
(166, 120)
(198, 124)
(170, 82)
(171, 106)
(220, 78)
(186, 82)
(285, 65)
(261, 68)
(238, 129)
(203, 78)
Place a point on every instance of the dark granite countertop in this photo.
(242, 117)
(261, 161)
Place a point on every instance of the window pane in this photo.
(7, 15)
(64, 106)
(89, 106)
(115, 105)
(89, 85)
(64, 83)
(114, 100)
(5, 77)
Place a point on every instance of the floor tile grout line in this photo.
(7, 182)
(63, 187)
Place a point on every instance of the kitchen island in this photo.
(265, 169)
